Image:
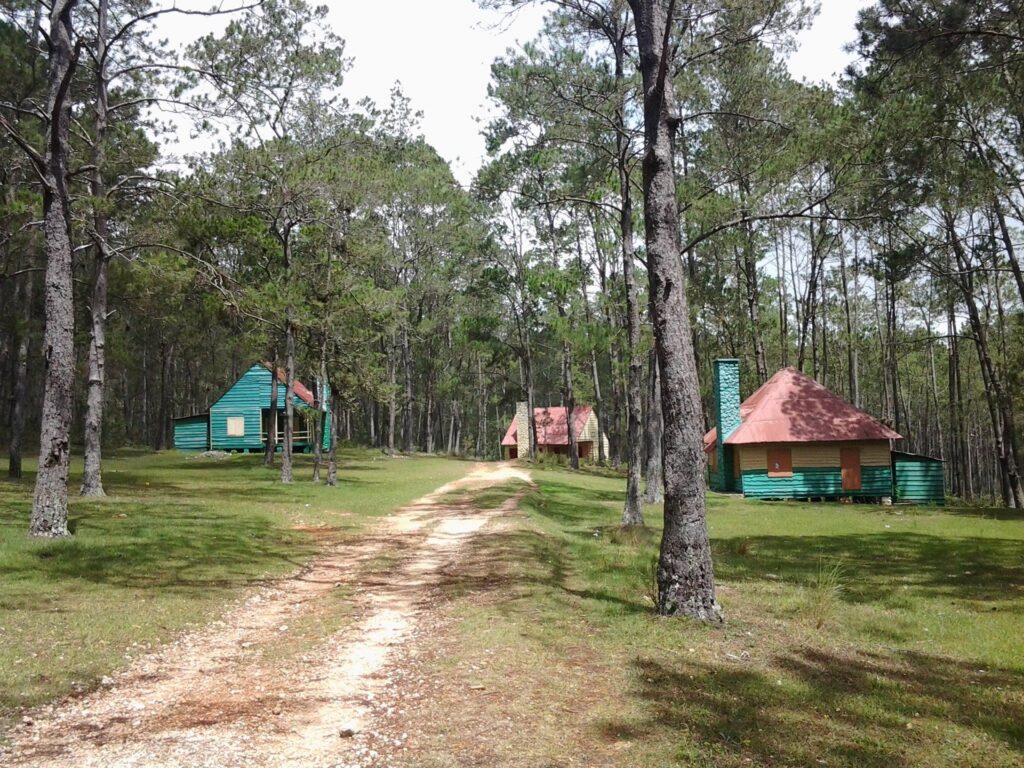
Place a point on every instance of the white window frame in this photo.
(235, 426)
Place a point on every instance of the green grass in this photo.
(175, 540)
(855, 636)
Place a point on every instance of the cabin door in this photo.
(849, 462)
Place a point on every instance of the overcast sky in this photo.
(441, 51)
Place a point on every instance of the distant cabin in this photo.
(240, 419)
(553, 432)
(794, 439)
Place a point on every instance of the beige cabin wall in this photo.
(873, 453)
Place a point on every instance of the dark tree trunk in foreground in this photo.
(92, 478)
(686, 583)
(654, 489)
(50, 500)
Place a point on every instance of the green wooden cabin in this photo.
(240, 419)
(794, 439)
(192, 433)
(918, 479)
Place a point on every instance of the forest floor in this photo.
(506, 620)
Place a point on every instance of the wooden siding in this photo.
(590, 433)
(919, 480)
(246, 399)
(806, 482)
(873, 453)
(192, 433)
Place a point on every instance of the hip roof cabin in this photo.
(794, 439)
(241, 419)
(553, 433)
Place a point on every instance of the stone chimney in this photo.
(523, 429)
(727, 416)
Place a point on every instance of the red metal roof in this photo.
(511, 435)
(301, 390)
(552, 426)
(791, 407)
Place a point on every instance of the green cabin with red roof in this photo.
(239, 420)
(795, 439)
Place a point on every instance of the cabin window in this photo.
(780, 462)
(236, 426)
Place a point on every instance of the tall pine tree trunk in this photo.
(92, 478)
(332, 451)
(392, 396)
(50, 499)
(686, 583)
(407, 398)
(270, 448)
(320, 406)
(289, 397)
(654, 488)
(164, 409)
(19, 387)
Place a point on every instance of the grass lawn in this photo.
(855, 636)
(176, 539)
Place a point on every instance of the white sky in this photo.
(441, 52)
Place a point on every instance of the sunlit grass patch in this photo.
(855, 636)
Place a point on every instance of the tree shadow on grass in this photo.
(816, 707)
(877, 566)
(182, 547)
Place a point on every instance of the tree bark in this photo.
(853, 380)
(164, 410)
(686, 582)
(392, 397)
(332, 453)
(20, 386)
(320, 406)
(570, 404)
(50, 499)
(751, 281)
(407, 396)
(271, 445)
(654, 489)
(92, 477)
(481, 430)
(289, 397)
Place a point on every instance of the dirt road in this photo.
(225, 697)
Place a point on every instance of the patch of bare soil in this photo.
(223, 697)
(480, 690)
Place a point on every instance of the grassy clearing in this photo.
(176, 539)
(856, 636)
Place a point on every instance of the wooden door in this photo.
(849, 462)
